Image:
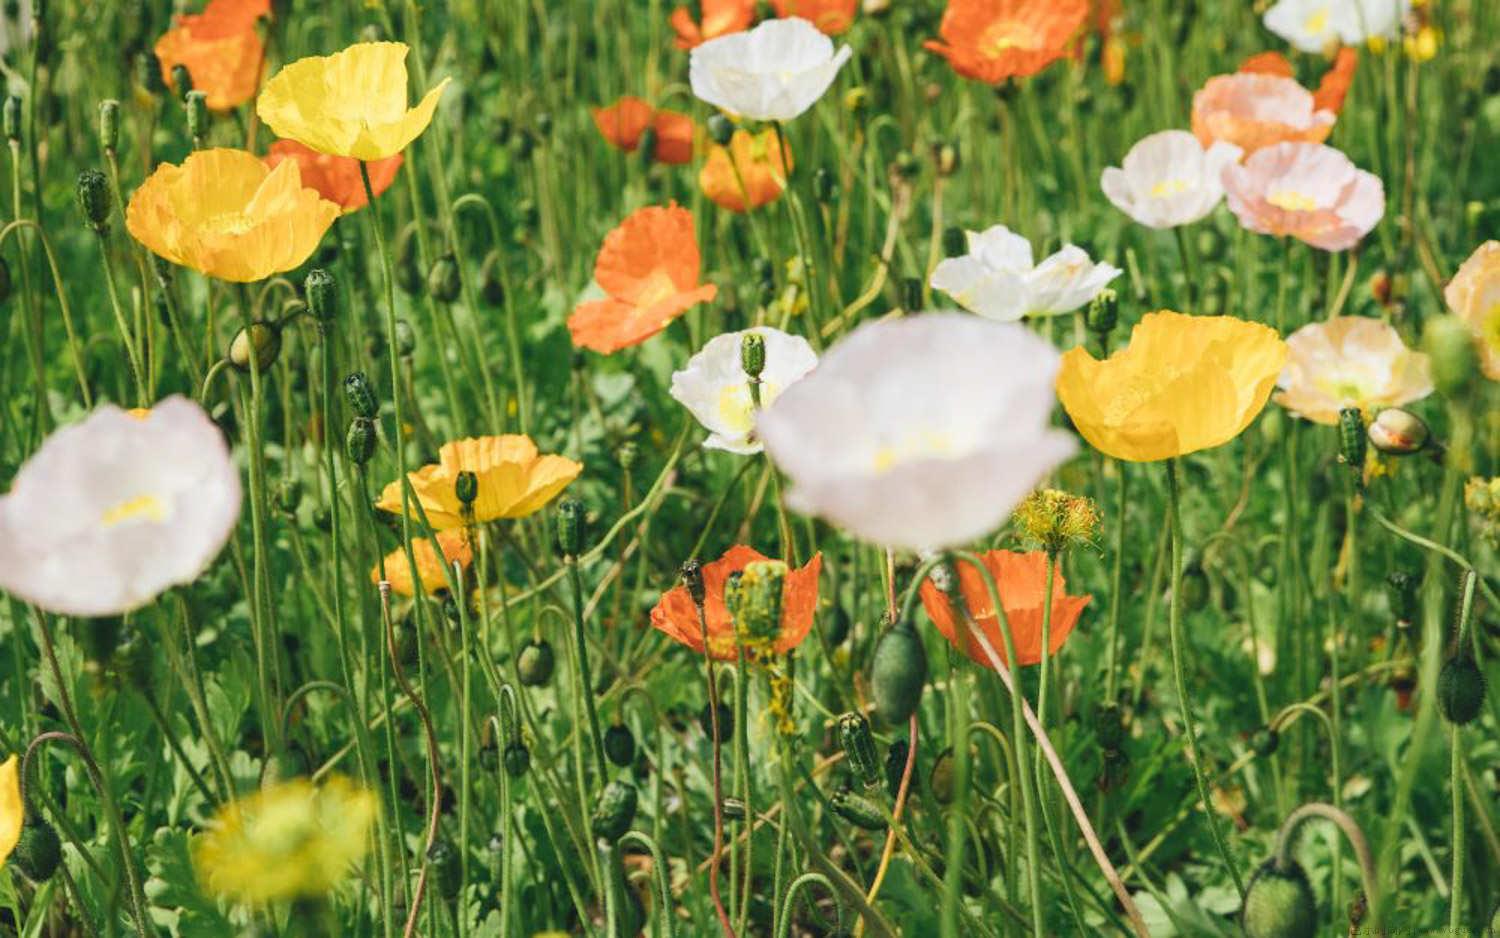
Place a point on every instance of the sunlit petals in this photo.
(715, 389)
(1350, 361)
(774, 72)
(1168, 179)
(1309, 191)
(1021, 580)
(676, 616)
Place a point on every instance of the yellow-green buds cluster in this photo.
(1056, 520)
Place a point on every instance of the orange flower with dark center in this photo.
(1333, 87)
(221, 49)
(830, 16)
(335, 177)
(992, 40)
(623, 123)
(720, 17)
(677, 617)
(1022, 582)
(649, 268)
(762, 168)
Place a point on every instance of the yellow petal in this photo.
(11, 811)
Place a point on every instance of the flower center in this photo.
(1006, 35)
(923, 444)
(1292, 200)
(737, 409)
(143, 507)
(1168, 188)
(1317, 23)
(229, 223)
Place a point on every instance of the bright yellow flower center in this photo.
(737, 409)
(1292, 200)
(924, 444)
(1006, 35)
(143, 507)
(1168, 188)
(1315, 25)
(656, 289)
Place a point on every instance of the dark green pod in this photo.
(1279, 903)
(726, 722)
(858, 744)
(898, 674)
(38, 851)
(615, 810)
(517, 759)
(619, 745)
(359, 445)
(860, 812)
(1461, 689)
(361, 396)
(536, 663)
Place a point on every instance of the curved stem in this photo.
(802, 882)
(1318, 809)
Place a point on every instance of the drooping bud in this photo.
(858, 744)
(753, 354)
(491, 287)
(1461, 689)
(692, 579)
(94, 199)
(109, 125)
(359, 445)
(1265, 742)
(257, 344)
(1103, 313)
(570, 519)
(1352, 440)
(955, 241)
(535, 663)
(858, 811)
(720, 130)
(757, 613)
(443, 281)
(615, 811)
(940, 779)
(517, 759)
(38, 852)
(321, 291)
(447, 868)
(1450, 346)
(195, 108)
(1279, 903)
(1398, 432)
(361, 396)
(726, 721)
(898, 672)
(619, 744)
(148, 73)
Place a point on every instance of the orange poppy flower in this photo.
(430, 577)
(1333, 87)
(335, 177)
(763, 171)
(992, 40)
(677, 617)
(221, 49)
(830, 16)
(720, 17)
(623, 123)
(649, 268)
(1021, 579)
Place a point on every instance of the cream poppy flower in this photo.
(774, 72)
(1307, 190)
(1351, 361)
(715, 389)
(998, 280)
(1168, 179)
(1474, 295)
(1317, 25)
(919, 432)
(112, 511)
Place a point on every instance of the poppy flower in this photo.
(1168, 179)
(720, 17)
(351, 103)
(998, 280)
(676, 616)
(715, 389)
(1474, 295)
(1307, 190)
(335, 177)
(12, 812)
(221, 50)
(649, 268)
(1184, 383)
(116, 509)
(430, 576)
(226, 214)
(1022, 583)
(514, 480)
(992, 40)
(623, 123)
(830, 16)
(1332, 88)
(752, 171)
(1253, 110)
(919, 432)
(1318, 25)
(774, 72)
(1350, 361)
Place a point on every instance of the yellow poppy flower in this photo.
(429, 568)
(10, 807)
(287, 841)
(226, 214)
(514, 480)
(351, 103)
(1184, 383)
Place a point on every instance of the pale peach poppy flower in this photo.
(1474, 294)
(1307, 190)
(1351, 361)
(1255, 110)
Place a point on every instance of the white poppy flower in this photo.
(715, 389)
(773, 72)
(1168, 179)
(998, 280)
(920, 432)
(1317, 25)
(112, 511)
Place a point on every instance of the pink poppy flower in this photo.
(1307, 190)
(1254, 111)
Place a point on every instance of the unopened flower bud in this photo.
(906, 166)
(1279, 903)
(692, 580)
(570, 527)
(148, 73)
(38, 851)
(517, 759)
(753, 354)
(361, 396)
(466, 488)
(257, 344)
(1398, 432)
(1103, 313)
(443, 281)
(619, 744)
(726, 721)
(858, 811)
(289, 495)
(1352, 439)
(94, 199)
(1265, 742)
(12, 118)
(898, 672)
(406, 339)
(720, 130)
(195, 108)
(858, 744)
(491, 287)
(1450, 346)
(359, 445)
(109, 125)
(955, 241)
(1109, 726)
(615, 811)
(945, 158)
(322, 293)
(1461, 689)
(536, 662)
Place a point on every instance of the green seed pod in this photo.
(1103, 313)
(536, 662)
(940, 779)
(361, 396)
(757, 609)
(615, 811)
(322, 293)
(195, 107)
(1109, 726)
(100, 637)
(895, 767)
(858, 811)
(12, 119)
(443, 281)
(517, 759)
(955, 241)
(1461, 689)
(726, 722)
(619, 744)
(825, 187)
(1194, 586)
(109, 125)
(406, 339)
(182, 80)
(720, 130)
(95, 200)
(1450, 346)
(898, 671)
(753, 354)
(359, 444)
(911, 294)
(38, 851)
(858, 744)
(466, 488)
(1279, 903)
(1398, 432)
(1265, 742)
(257, 344)
(570, 518)
(1352, 438)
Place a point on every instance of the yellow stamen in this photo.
(146, 507)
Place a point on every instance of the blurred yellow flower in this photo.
(10, 807)
(351, 103)
(514, 480)
(1351, 361)
(1474, 294)
(1184, 383)
(455, 546)
(287, 841)
(224, 213)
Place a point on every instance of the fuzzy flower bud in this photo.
(95, 200)
(858, 744)
(466, 488)
(1461, 689)
(359, 445)
(195, 107)
(1352, 439)
(182, 80)
(322, 294)
(443, 281)
(753, 355)
(361, 396)
(1279, 903)
(720, 130)
(1398, 432)
(109, 125)
(570, 527)
(12, 118)
(1103, 313)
